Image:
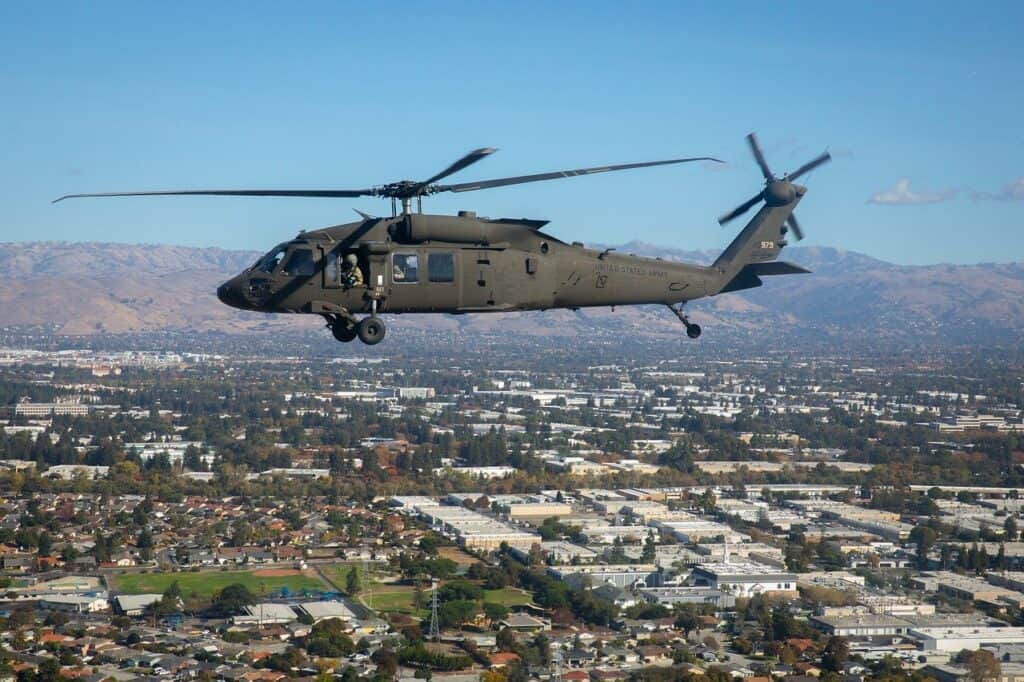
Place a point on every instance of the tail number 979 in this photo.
(767, 244)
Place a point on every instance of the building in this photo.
(68, 472)
(474, 530)
(670, 596)
(323, 610)
(620, 575)
(134, 604)
(27, 409)
(954, 639)
(861, 625)
(74, 603)
(266, 614)
(523, 622)
(744, 579)
(537, 510)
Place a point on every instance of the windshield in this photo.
(273, 258)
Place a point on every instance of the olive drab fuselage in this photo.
(415, 263)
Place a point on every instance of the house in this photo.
(522, 622)
(576, 676)
(502, 659)
(579, 657)
(652, 653)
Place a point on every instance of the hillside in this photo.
(88, 288)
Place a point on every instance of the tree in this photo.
(327, 638)
(836, 653)
(242, 534)
(495, 612)
(924, 538)
(353, 583)
(506, 639)
(45, 544)
(386, 660)
(144, 542)
(650, 549)
(688, 619)
(982, 665)
(455, 613)
(1010, 528)
(233, 598)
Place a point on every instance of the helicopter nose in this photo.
(229, 294)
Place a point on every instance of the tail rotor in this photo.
(777, 191)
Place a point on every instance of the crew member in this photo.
(351, 274)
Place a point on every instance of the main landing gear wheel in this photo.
(692, 330)
(343, 332)
(371, 330)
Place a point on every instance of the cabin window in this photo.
(405, 268)
(332, 270)
(300, 264)
(441, 267)
(270, 261)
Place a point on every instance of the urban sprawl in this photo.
(200, 516)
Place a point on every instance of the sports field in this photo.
(205, 584)
(508, 596)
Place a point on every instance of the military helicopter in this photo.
(412, 262)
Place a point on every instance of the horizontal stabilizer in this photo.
(749, 276)
(777, 267)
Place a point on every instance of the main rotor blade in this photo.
(518, 180)
(321, 193)
(467, 160)
(759, 157)
(741, 209)
(810, 165)
(795, 227)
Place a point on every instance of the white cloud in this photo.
(902, 195)
(1013, 191)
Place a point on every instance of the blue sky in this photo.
(919, 102)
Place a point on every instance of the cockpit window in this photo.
(270, 261)
(300, 264)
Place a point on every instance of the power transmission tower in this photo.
(369, 585)
(435, 633)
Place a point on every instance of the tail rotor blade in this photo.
(755, 147)
(795, 227)
(741, 209)
(810, 165)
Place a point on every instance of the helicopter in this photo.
(413, 262)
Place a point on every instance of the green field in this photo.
(399, 598)
(508, 596)
(204, 584)
(392, 598)
(338, 573)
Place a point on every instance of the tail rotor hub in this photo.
(779, 193)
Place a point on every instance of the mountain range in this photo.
(91, 287)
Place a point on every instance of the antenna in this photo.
(435, 633)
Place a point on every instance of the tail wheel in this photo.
(371, 330)
(693, 330)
